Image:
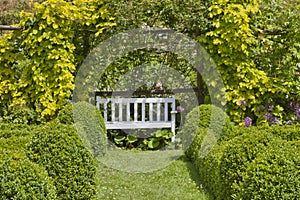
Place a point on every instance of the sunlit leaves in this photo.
(229, 42)
(47, 44)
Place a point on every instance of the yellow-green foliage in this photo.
(229, 42)
(37, 64)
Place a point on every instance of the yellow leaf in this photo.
(55, 26)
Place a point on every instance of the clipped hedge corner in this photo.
(204, 120)
(58, 148)
(91, 128)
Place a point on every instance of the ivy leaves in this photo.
(47, 44)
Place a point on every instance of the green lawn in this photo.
(177, 180)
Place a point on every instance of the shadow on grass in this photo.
(194, 175)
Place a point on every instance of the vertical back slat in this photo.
(120, 111)
(150, 112)
(135, 112)
(166, 111)
(98, 103)
(113, 111)
(105, 111)
(128, 111)
(143, 112)
(158, 112)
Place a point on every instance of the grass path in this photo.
(178, 180)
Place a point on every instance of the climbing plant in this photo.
(231, 31)
(277, 51)
(229, 42)
(37, 64)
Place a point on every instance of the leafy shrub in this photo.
(249, 163)
(161, 138)
(240, 152)
(19, 177)
(91, 127)
(274, 174)
(199, 121)
(65, 115)
(286, 132)
(209, 170)
(20, 115)
(142, 139)
(22, 179)
(8, 130)
(58, 148)
(196, 147)
(236, 131)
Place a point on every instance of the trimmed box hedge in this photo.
(57, 147)
(201, 120)
(21, 178)
(248, 163)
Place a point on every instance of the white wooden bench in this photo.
(138, 113)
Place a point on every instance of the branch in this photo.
(271, 32)
(10, 28)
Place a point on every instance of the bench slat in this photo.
(137, 125)
(166, 111)
(158, 112)
(119, 123)
(113, 112)
(120, 112)
(143, 112)
(138, 100)
(105, 112)
(135, 112)
(150, 112)
(128, 111)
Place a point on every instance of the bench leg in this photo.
(173, 126)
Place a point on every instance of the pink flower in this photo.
(179, 109)
(158, 86)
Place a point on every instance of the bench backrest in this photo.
(133, 113)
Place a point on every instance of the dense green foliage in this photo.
(65, 115)
(201, 121)
(20, 115)
(21, 178)
(142, 139)
(277, 47)
(45, 162)
(43, 57)
(251, 46)
(250, 163)
(59, 149)
(240, 152)
(90, 127)
(274, 174)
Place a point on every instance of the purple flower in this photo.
(247, 121)
(158, 86)
(258, 109)
(269, 106)
(179, 109)
(243, 103)
(267, 116)
(297, 112)
(291, 105)
(290, 122)
(273, 120)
